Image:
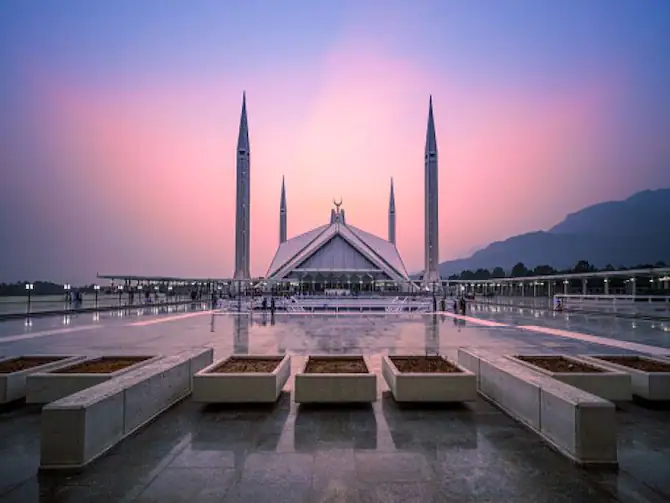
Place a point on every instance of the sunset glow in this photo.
(129, 167)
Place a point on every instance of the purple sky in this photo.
(119, 122)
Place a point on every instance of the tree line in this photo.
(521, 271)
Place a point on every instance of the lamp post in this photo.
(96, 288)
(67, 287)
(29, 289)
(120, 288)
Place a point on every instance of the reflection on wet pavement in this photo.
(286, 453)
(653, 333)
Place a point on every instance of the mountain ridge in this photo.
(618, 233)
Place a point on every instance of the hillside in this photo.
(621, 233)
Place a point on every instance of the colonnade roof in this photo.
(656, 271)
(170, 279)
(161, 279)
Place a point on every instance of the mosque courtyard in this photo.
(383, 452)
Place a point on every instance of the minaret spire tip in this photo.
(391, 216)
(243, 137)
(283, 194)
(282, 213)
(431, 141)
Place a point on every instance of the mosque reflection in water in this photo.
(379, 426)
(266, 333)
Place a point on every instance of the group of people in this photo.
(264, 304)
(147, 297)
(75, 298)
(460, 306)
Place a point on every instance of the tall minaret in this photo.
(243, 200)
(392, 214)
(431, 272)
(282, 213)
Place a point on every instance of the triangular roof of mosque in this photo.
(295, 251)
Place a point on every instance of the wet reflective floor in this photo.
(287, 453)
(655, 333)
(37, 327)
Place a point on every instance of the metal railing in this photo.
(13, 307)
(321, 303)
(640, 305)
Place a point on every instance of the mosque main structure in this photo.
(337, 255)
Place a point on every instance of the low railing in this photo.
(396, 305)
(293, 305)
(52, 308)
(330, 303)
(650, 305)
(37, 304)
(646, 306)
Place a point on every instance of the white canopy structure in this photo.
(338, 253)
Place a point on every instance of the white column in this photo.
(584, 286)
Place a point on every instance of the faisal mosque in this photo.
(337, 255)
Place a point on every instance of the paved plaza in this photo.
(382, 452)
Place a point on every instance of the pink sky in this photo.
(160, 157)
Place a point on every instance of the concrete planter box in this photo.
(46, 387)
(579, 424)
(336, 387)
(600, 381)
(212, 386)
(77, 429)
(650, 385)
(13, 384)
(429, 386)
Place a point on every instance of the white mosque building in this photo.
(336, 256)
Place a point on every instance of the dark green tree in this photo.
(519, 270)
(482, 274)
(544, 270)
(583, 266)
(467, 275)
(498, 272)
